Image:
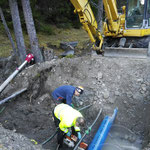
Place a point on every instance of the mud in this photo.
(108, 83)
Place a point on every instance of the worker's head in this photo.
(80, 122)
(79, 90)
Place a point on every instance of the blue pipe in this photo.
(101, 135)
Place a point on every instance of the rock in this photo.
(100, 76)
(68, 53)
(140, 80)
(66, 45)
(43, 97)
(117, 93)
(106, 95)
(48, 55)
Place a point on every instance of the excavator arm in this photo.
(88, 21)
(112, 27)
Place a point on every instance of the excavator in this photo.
(123, 34)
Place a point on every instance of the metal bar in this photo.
(12, 96)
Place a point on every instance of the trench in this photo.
(108, 83)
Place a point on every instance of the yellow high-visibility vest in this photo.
(67, 116)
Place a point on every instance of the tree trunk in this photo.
(100, 15)
(8, 32)
(31, 31)
(18, 29)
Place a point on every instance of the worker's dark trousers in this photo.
(60, 134)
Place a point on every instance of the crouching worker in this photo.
(64, 94)
(66, 117)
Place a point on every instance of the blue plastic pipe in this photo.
(101, 134)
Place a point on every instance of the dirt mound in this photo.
(11, 140)
(108, 83)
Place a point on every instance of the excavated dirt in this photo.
(109, 83)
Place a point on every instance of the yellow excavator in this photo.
(123, 33)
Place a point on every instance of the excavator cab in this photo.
(136, 14)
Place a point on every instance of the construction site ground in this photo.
(26, 121)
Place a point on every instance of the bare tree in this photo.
(8, 32)
(31, 30)
(17, 29)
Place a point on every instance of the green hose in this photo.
(49, 139)
(2, 109)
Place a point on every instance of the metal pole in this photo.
(85, 107)
(28, 59)
(13, 95)
(89, 129)
(12, 76)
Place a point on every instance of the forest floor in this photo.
(109, 83)
(47, 41)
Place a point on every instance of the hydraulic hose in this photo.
(51, 137)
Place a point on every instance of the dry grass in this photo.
(65, 35)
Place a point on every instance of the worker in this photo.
(64, 94)
(67, 118)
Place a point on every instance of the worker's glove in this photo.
(68, 134)
(79, 135)
(72, 105)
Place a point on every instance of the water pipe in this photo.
(101, 135)
(6, 82)
(12, 96)
(88, 130)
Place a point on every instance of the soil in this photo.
(109, 83)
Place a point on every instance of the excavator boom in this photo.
(86, 16)
(121, 30)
